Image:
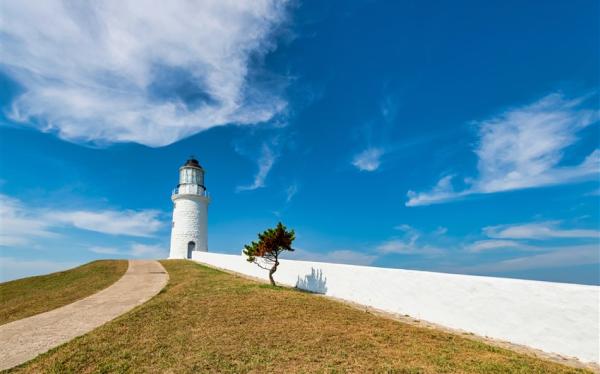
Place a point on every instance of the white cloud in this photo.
(11, 268)
(485, 245)
(148, 251)
(265, 163)
(124, 71)
(560, 257)
(337, 256)
(290, 192)
(440, 230)
(396, 246)
(389, 108)
(443, 191)
(537, 230)
(410, 243)
(404, 227)
(523, 148)
(105, 250)
(134, 250)
(519, 236)
(368, 160)
(408, 247)
(127, 222)
(20, 224)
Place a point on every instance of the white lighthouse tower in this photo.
(190, 212)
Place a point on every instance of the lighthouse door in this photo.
(191, 247)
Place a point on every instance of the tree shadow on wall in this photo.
(313, 282)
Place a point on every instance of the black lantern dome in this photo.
(192, 162)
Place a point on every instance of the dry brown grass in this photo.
(29, 296)
(206, 320)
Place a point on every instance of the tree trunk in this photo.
(272, 271)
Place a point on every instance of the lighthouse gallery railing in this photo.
(190, 189)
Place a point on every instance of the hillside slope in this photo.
(206, 320)
(29, 296)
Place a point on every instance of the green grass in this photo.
(29, 296)
(210, 321)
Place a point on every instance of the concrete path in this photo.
(22, 340)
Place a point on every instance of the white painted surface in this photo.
(554, 317)
(190, 213)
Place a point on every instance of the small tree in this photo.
(271, 243)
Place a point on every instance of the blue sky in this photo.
(459, 137)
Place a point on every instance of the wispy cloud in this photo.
(525, 249)
(12, 268)
(290, 192)
(265, 163)
(412, 242)
(407, 247)
(148, 251)
(368, 160)
(114, 222)
(533, 236)
(105, 250)
(338, 256)
(375, 136)
(134, 250)
(389, 108)
(523, 148)
(559, 257)
(490, 244)
(440, 231)
(20, 224)
(538, 230)
(121, 71)
(442, 191)
(595, 192)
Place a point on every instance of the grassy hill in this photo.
(29, 296)
(210, 321)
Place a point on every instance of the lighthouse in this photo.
(190, 212)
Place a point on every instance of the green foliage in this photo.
(271, 243)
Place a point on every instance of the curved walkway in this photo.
(22, 340)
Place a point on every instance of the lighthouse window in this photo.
(191, 176)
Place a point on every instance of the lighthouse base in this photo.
(189, 232)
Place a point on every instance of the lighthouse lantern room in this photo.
(190, 212)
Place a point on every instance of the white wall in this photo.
(554, 317)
